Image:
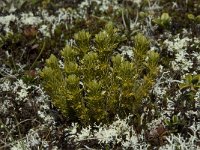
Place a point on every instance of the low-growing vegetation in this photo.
(99, 74)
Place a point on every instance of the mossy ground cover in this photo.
(99, 74)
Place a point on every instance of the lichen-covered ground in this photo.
(31, 30)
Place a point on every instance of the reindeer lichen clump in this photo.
(95, 83)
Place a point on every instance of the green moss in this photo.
(95, 82)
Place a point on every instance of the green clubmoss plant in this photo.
(95, 83)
